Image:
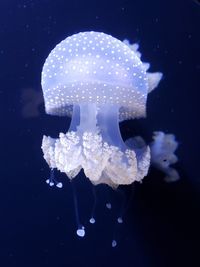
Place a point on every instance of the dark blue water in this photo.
(37, 225)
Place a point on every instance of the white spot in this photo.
(59, 185)
(108, 206)
(81, 232)
(92, 220)
(114, 243)
(119, 220)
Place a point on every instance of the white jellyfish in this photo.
(98, 81)
(163, 148)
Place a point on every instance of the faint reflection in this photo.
(31, 100)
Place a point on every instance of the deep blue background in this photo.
(37, 224)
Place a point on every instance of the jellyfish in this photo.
(98, 81)
(163, 149)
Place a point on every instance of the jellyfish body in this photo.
(98, 81)
(163, 149)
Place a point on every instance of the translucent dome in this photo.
(93, 67)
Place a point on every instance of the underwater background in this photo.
(37, 224)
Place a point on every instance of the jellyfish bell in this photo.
(98, 81)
